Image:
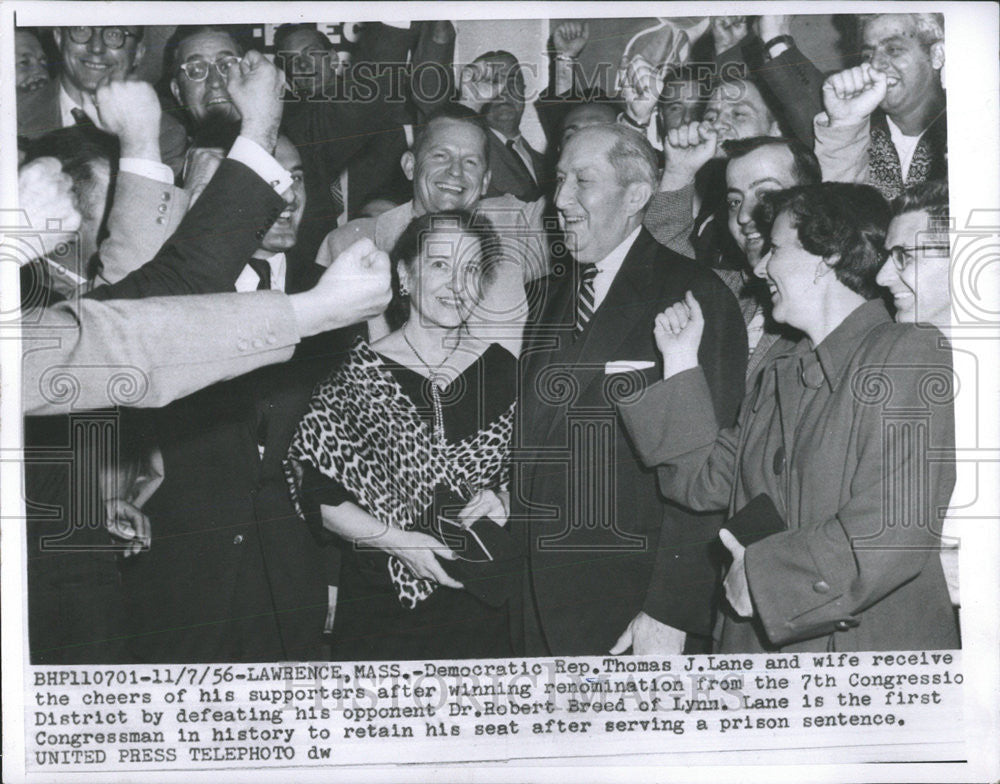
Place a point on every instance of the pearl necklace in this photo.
(435, 391)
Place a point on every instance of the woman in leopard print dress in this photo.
(416, 423)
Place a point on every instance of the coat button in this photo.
(821, 587)
(238, 539)
(843, 626)
(271, 338)
(160, 220)
(257, 343)
(242, 344)
(162, 208)
(779, 460)
(166, 195)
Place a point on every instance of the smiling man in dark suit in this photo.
(610, 564)
(516, 167)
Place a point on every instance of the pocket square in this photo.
(627, 365)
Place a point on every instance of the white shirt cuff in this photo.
(152, 170)
(255, 157)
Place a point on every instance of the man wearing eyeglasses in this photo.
(917, 266)
(92, 56)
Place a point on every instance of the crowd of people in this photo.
(341, 366)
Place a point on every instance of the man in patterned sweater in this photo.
(885, 122)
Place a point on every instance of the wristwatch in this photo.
(785, 39)
(624, 118)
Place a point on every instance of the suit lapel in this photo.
(627, 302)
(550, 342)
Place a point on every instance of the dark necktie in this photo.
(519, 163)
(263, 270)
(585, 297)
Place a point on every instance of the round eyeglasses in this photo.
(902, 256)
(197, 70)
(113, 37)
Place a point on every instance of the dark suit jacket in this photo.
(234, 574)
(508, 175)
(38, 113)
(795, 84)
(602, 543)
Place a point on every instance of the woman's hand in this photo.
(419, 552)
(678, 332)
(486, 503)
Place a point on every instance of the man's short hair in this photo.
(282, 33)
(458, 113)
(805, 165)
(239, 34)
(930, 27)
(631, 155)
(737, 81)
(930, 197)
(80, 150)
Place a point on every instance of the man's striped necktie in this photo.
(585, 299)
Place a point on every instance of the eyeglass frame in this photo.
(213, 64)
(900, 262)
(125, 33)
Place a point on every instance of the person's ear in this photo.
(404, 278)
(637, 196)
(408, 162)
(175, 90)
(825, 266)
(937, 55)
(487, 176)
(140, 52)
(57, 37)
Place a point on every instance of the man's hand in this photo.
(850, 96)
(480, 84)
(645, 634)
(736, 585)
(641, 86)
(199, 168)
(569, 38)
(125, 521)
(256, 87)
(355, 288)
(678, 331)
(129, 109)
(45, 193)
(686, 149)
(486, 503)
(773, 25)
(727, 31)
(441, 31)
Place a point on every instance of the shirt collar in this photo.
(504, 139)
(613, 261)
(66, 105)
(835, 352)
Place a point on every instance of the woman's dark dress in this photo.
(372, 621)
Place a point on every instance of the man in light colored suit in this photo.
(450, 166)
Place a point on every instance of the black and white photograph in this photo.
(548, 384)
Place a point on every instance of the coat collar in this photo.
(837, 349)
